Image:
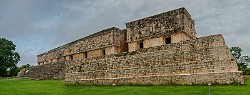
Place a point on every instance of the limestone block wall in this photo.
(133, 46)
(47, 71)
(164, 24)
(90, 46)
(198, 61)
(158, 41)
(78, 56)
(178, 37)
(113, 50)
(95, 53)
(176, 24)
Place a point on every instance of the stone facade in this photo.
(176, 25)
(198, 61)
(105, 42)
(156, 50)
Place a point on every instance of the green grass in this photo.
(56, 87)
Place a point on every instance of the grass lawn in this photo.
(56, 87)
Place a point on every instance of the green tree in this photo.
(26, 66)
(13, 71)
(8, 57)
(242, 61)
(236, 52)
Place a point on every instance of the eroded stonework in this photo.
(199, 61)
(164, 24)
(153, 31)
(105, 42)
(46, 71)
(156, 50)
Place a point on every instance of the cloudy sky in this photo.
(36, 26)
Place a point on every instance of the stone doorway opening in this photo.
(167, 40)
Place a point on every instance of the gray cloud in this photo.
(37, 26)
(227, 17)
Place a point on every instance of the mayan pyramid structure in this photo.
(156, 50)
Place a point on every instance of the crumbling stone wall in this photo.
(150, 31)
(46, 71)
(163, 49)
(90, 46)
(164, 25)
(198, 61)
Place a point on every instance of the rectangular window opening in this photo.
(86, 55)
(168, 40)
(71, 57)
(141, 45)
(103, 52)
(64, 58)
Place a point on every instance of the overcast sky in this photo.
(36, 26)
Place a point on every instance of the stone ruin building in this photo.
(156, 50)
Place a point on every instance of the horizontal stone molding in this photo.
(182, 79)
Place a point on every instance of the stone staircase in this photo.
(46, 71)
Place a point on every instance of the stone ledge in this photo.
(183, 79)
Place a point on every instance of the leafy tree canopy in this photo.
(26, 66)
(242, 61)
(8, 57)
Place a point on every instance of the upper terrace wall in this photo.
(164, 24)
(151, 31)
(111, 40)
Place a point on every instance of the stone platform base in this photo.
(47, 71)
(182, 79)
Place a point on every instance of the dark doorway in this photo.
(141, 45)
(168, 40)
(103, 52)
(64, 58)
(86, 55)
(70, 57)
